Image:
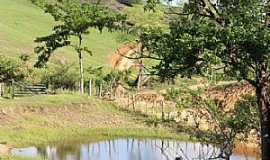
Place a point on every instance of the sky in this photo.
(176, 2)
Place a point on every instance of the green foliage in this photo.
(172, 94)
(108, 78)
(10, 69)
(183, 96)
(151, 4)
(241, 122)
(74, 19)
(224, 127)
(234, 40)
(140, 18)
(96, 73)
(62, 76)
(232, 36)
(247, 108)
(40, 3)
(117, 76)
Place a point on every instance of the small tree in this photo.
(232, 35)
(225, 128)
(10, 69)
(74, 19)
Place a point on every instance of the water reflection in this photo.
(126, 149)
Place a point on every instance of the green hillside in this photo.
(21, 22)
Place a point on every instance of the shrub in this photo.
(10, 69)
(61, 76)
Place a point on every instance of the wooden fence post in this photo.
(12, 89)
(128, 102)
(162, 110)
(90, 87)
(100, 90)
(133, 102)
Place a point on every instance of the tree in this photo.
(225, 128)
(230, 35)
(10, 69)
(74, 19)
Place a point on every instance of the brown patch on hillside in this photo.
(4, 149)
(244, 149)
(117, 59)
(229, 94)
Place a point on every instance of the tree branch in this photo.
(141, 57)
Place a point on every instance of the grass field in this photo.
(40, 120)
(21, 22)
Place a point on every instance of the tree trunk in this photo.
(1, 89)
(81, 74)
(140, 68)
(139, 76)
(263, 100)
(79, 50)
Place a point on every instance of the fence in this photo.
(19, 89)
(147, 103)
(158, 108)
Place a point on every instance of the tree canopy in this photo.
(74, 19)
(230, 35)
(234, 40)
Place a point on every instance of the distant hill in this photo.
(21, 22)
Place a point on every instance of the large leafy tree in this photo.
(74, 19)
(232, 35)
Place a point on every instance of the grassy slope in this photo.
(21, 22)
(41, 120)
(137, 15)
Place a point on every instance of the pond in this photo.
(126, 149)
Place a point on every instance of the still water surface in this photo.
(126, 149)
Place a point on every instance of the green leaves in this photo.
(74, 19)
(10, 69)
(151, 5)
(229, 35)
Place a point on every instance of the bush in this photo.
(10, 69)
(61, 76)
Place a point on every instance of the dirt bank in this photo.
(117, 59)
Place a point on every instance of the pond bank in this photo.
(41, 120)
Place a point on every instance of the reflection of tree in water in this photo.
(60, 152)
(134, 149)
(170, 150)
(174, 150)
(42, 151)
